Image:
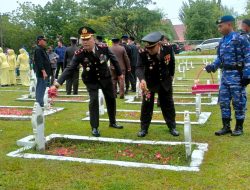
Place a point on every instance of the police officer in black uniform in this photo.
(95, 75)
(68, 56)
(155, 70)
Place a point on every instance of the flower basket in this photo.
(204, 88)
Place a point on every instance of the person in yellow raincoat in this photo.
(24, 67)
(12, 62)
(4, 69)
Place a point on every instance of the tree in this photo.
(117, 17)
(199, 17)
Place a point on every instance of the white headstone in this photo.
(183, 71)
(32, 88)
(191, 64)
(138, 89)
(187, 134)
(179, 68)
(198, 105)
(101, 102)
(37, 122)
(186, 64)
(46, 99)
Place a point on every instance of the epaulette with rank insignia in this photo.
(79, 51)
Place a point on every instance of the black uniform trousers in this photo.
(107, 88)
(73, 82)
(59, 66)
(167, 108)
(130, 78)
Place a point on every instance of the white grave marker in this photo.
(187, 134)
(101, 102)
(191, 65)
(138, 89)
(198, 105)
(183, 71)
(37, 122)
(46, 99)
(32, 88)
(179, 68)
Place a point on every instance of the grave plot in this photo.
(81, 90)
(162, 155)
(61, 98)
(177, 156)
(133, 116)
(179, 100)
(22, 112)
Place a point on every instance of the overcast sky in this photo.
(170, 7)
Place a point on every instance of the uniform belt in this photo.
(233, 67)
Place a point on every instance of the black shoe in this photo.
(114, 125)
(122, 97)
(226, 127)
(174, 132)
(142, 133)
(95, 132)
(238, 128)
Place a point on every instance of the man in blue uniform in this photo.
(234, 60)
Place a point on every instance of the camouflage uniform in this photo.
(233, 49)
(234, 60)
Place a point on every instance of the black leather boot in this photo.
(95, 132)
(172, 129)
(238, 128)
(114, 125)
(142, 133)
(226, 127)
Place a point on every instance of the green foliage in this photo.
(247, 10)
(16, 35)
(62, 19)
(199, 17)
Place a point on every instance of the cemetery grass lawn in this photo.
(226, 164)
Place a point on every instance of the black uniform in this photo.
(129, 78)
(158, 71)
(95, 75)
(74, 81)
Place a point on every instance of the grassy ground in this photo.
(226, 164)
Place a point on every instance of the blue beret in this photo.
(226, 18)
(152, 39)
